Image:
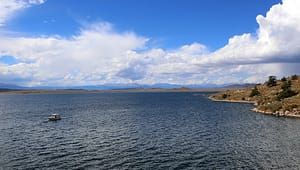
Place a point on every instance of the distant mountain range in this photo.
(4, 86)
(239, 86)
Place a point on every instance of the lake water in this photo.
(142, 131)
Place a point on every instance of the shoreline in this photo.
(287, 114)
(71, 91)
(233, 101)
(278, 114)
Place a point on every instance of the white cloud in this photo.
(36, 2)
(96, 52)
(7, 8)
(10, 7)
(274, 49)
(99, 55)
(276, 39)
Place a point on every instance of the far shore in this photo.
(67, 91)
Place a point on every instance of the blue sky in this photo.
(169, 23)
(91, 42)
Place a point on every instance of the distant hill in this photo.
(239, 86)
(4, 86)
(122, 87)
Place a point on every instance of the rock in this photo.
(254, 110)
(281, 113)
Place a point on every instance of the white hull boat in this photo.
(54, 117)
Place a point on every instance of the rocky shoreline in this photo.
(293, 114)
(233, 101)
(275, 97)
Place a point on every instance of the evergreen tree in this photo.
(272, 81)
(294, 77)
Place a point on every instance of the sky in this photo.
(186, 42)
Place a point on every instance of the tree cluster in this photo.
(286, 90)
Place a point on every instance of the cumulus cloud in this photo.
(95, 55)
(10, 7)
(273, 49)
(275, 41)
(99, 55)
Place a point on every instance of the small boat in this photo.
(54, 117)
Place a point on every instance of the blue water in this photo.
(142, 131)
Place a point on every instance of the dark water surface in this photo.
(142, 131)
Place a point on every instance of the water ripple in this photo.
(142, 131)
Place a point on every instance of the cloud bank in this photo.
(274, 49)
(100, 55)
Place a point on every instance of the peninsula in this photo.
(274, 97)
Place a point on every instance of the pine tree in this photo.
(294, 77)
(272, 81)
(283, 79)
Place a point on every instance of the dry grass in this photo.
(268, 98)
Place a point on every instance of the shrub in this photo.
(283, 79)
(254, 92)
(286, 85)
(286, 91)
(224, 96)
(272, 81)
(285, 94)
(274, 107)
(290, 107)
(294, 77)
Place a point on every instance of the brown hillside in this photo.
(273, 99)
